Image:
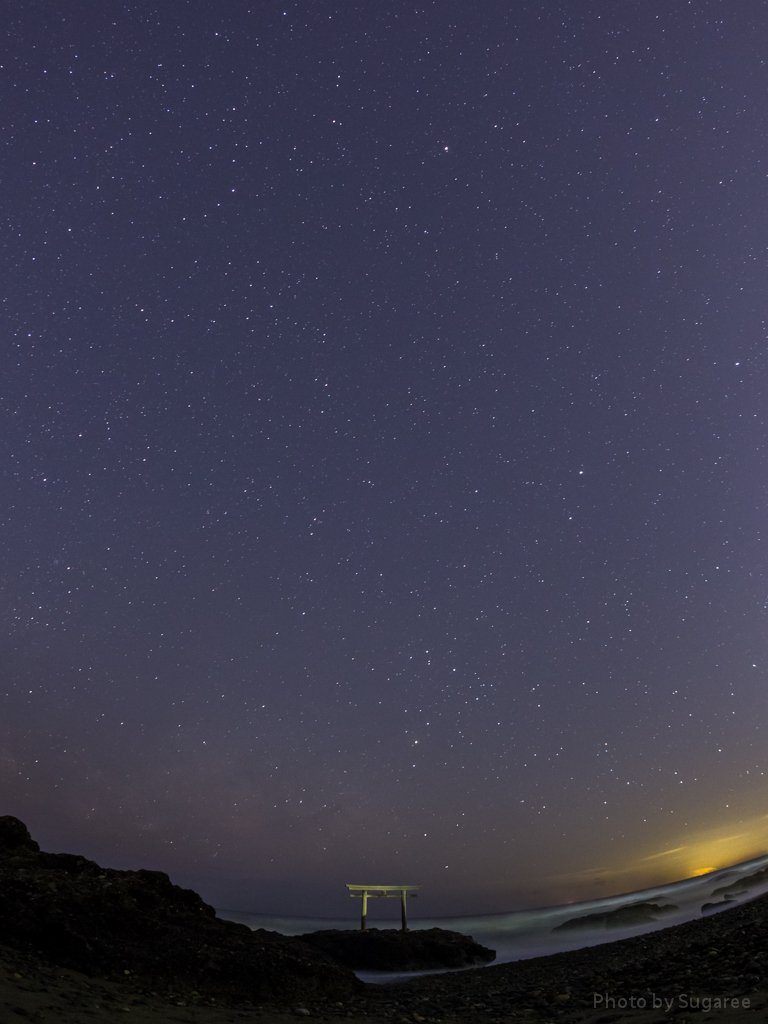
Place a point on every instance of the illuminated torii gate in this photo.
(383, 891)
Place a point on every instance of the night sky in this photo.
(383, 439)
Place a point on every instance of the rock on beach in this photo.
(387, 949)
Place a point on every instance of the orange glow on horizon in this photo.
(701, 852)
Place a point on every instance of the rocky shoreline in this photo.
(66, 936)
(115, 925)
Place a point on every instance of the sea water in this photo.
(527, 933)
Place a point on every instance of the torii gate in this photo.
(384, 891)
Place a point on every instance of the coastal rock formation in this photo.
(388, 949)
(743, 884)
(113, 924)
(622, 917)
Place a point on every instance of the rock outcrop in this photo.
(390, 950)
(112, 923)
(622, 917)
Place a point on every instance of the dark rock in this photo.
(747, 882)
(622, 917)
(106, 922)
(393, 950)
(709, 908)
(14, 836)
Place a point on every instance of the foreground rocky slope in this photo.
(112, 924)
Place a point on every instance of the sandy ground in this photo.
(36, 991)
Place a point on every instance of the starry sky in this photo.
(383, 439)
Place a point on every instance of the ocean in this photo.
(521, 934)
